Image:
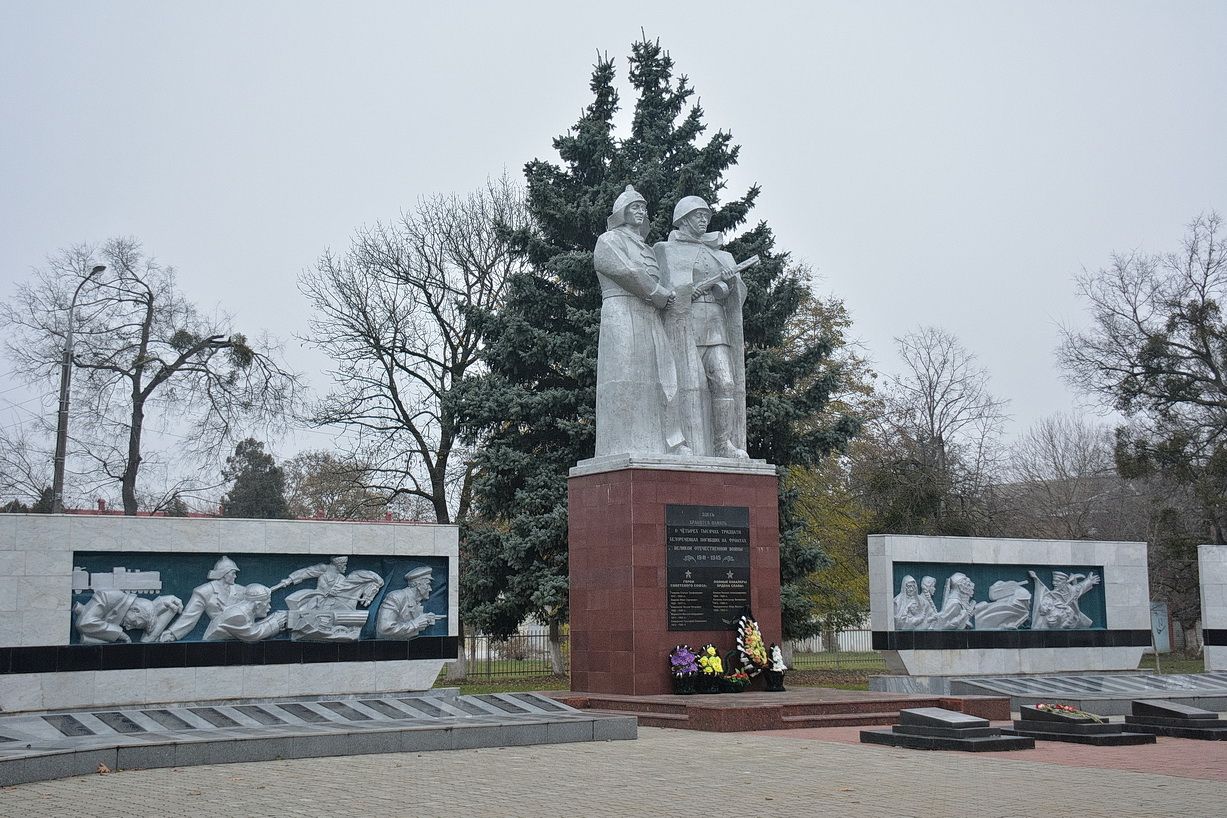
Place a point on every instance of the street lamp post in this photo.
(61, 428)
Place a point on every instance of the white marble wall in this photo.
(1125, 582)
(1212, 564)
(36, 597)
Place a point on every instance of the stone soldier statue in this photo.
(211, 598)
(402, 614)
(705, 331)
(248, 619)
(636, 378)
(110, 613)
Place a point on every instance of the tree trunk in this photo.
(830, 639)
(557, 663)
(132, 468)
(1192, 640)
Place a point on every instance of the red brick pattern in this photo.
(619, 631)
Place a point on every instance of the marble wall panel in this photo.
(1125, 587)
(35, 598)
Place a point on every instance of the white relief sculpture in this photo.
(777, 660)
(928, 587)
(1057, 608)
(636, 378)
(106, 617)
(250, 619)
(329, 612)
(910, 611)
(705, 331)
(1010, 606)
(957, 603)
(117, 579)
(401, 615)
(210, 598)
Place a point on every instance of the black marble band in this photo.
(981, 640)
(1215, 637)
(65, 658)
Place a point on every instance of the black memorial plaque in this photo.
(707, 554)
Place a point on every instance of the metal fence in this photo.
(528, 654)
(523, 654)
(840, 650)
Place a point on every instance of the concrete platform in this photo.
(796, 707)
(41, 746)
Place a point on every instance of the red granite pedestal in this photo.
(620, 639)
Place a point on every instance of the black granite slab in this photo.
(1165, 709)
(1212, 731)
(940, 717)
(1009, 639)
(1161, 717)
(1195, 724)
(1086, 728)
(69, 658)
(977, 744)
(1116, 738)
(946, 732)
(935, 728)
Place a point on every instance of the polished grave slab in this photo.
(1176, 720)
(40, 746)
(936, 728)
(1109, 694)
(1075, 727)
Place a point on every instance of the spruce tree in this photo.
(535, 405)
(258, 488)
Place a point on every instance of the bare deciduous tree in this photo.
(1064, 484)
(25, 466)
(141, 349)
(936, 454)
(1156, 350)
(396, 312)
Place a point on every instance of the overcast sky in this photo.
(952, 164)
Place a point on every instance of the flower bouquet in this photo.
(750, 644)
(774, 674)
(1068, 711)
(711, 668)
(735, 682)
(683, 668)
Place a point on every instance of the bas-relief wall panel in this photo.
(1112, 633)
(38, 554)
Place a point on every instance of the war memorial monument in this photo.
(123, 634)
(673, 529)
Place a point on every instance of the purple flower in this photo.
(682, 661)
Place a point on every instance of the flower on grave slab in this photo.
(682, 661)
(1068, 710)
(709, 661)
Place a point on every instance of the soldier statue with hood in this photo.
(636, 377)
(705, 331)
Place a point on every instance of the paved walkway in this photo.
(810, 772)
